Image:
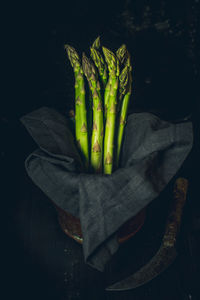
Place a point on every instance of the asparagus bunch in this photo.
(99, 131)
(81, 131)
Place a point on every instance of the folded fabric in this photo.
(153, 151)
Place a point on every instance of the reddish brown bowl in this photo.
(72, 227)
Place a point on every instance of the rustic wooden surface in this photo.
(39, 261)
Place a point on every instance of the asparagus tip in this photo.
(84, 58)
(111, 60)
(72, 54)
(97, 43)
(88, 67)
(122, 53)
(66, 46)
(109, 55)
(69, 48)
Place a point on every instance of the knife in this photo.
(167, 251)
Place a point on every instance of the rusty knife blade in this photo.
(159, 263)
(167, 251)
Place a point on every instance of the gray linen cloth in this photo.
(153, 151)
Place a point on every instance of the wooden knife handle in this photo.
(174, 218)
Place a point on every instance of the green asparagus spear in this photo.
(100, 64)
(113, 67)
(81, 130)
(125, 93)
(98, 126)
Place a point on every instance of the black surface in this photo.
(38, 260)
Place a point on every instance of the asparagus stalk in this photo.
(125, 93)
(81, 131)
(106, 96)
(98, 125)
(89, 116)
(113, 67)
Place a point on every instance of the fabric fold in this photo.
(153, 151)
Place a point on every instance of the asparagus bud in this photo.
(121, 54)
(112, 62)
(96, 45)
(100, 64)
(123, 82)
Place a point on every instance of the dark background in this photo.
(163, 39)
